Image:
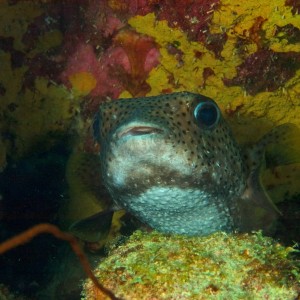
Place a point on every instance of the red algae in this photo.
(295, 4)
(265, 70)
(207, 72)
(215, 43)
(192, 16)
(256, 34)
(288, 32)
(137, 7)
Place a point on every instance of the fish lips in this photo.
(137, 130)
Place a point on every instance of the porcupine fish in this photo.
(172, 162)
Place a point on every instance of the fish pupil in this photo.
(207, 114)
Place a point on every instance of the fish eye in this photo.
(207, 114)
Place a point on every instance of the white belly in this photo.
(182, 211)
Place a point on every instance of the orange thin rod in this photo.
(32, 232)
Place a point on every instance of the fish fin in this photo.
(257, 209)
(281, 145)
(84, 171)
(93, 228)
(87, 194)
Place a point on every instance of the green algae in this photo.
(219, 266)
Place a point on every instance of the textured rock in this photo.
(155, 266)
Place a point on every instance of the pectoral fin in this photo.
(87, 193)
(282, 145)
(258, 212)
(94, 228)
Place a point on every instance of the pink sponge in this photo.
(124, 65)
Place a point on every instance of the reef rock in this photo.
(219, 266)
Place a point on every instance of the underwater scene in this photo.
(149, 149)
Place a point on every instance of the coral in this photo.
(155, 266)
(142, 57)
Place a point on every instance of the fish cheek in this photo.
(128, 161)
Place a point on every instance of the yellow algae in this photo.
(34, 111)
(50, 39)
(14, 20)
(11, 79)
(82, 83)
(41, 115)
(236, 19)
(171, 75)
(279, 106)
(186, 76)
(125, 94)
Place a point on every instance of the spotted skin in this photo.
(174, 174)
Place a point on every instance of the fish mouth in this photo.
(138, 130)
